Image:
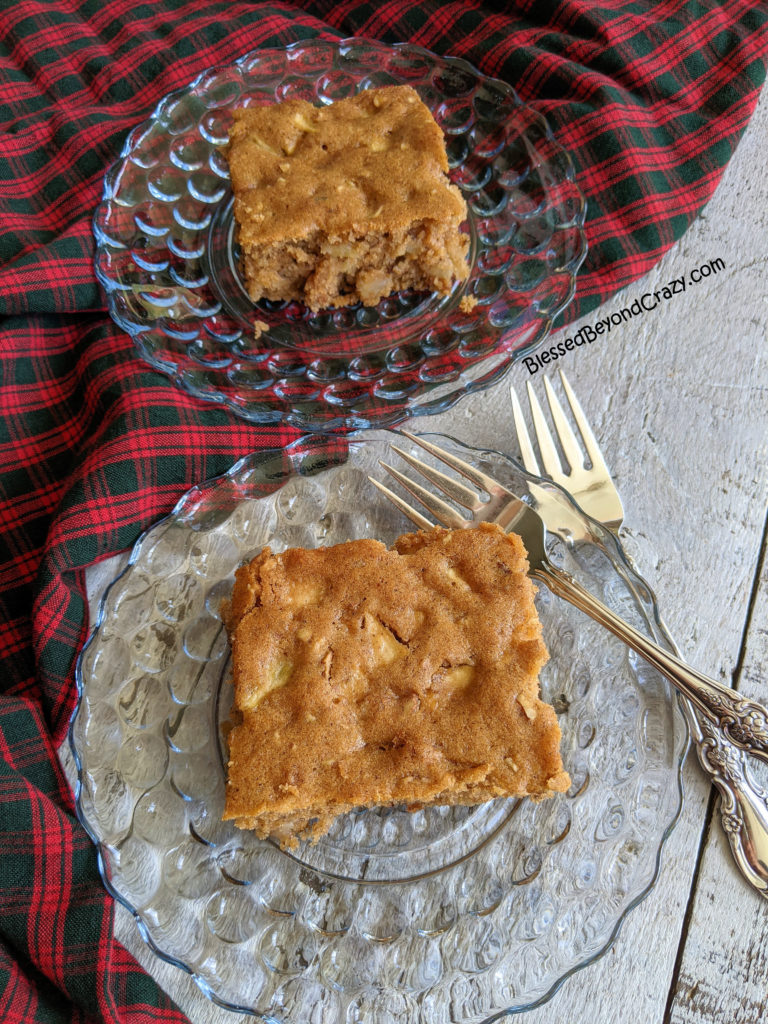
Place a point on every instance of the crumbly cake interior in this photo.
(345, 203)
(367, 676)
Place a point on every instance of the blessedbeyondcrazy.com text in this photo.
(645, 303)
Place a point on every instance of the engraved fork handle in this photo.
(744, 805)
(744, 722)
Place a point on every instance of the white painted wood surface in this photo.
(679, 401)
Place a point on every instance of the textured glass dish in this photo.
(407, 918)
(167, 256)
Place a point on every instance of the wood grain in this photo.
(723, 973)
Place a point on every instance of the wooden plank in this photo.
(723, 972)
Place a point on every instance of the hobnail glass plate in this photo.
(167, 257)
(445, 914)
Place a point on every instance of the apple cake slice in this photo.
(345, 203)
(367, 676)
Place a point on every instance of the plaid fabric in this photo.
(649, 97)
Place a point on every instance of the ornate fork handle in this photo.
(743, 808)
(742, 720)
(745, 722)
(743, 804)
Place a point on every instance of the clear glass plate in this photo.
(443, 914)
(167, 257)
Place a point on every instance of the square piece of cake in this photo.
(367, 676)
(345, 203)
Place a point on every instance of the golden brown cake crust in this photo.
(366, 676)
(336, 203)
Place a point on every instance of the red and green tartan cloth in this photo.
(649, 96)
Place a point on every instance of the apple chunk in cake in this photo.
(367, 676)
(345, 203)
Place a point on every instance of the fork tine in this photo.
(590, 441)
(549, 453)
(451, 487)
(523, 437)
(416, 517)
(568, 440)
(441, 510)
(475, 476)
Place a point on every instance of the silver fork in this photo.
(743, 805)
(744, 721)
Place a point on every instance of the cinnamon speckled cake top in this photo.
(368, 676)
(297, 168)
